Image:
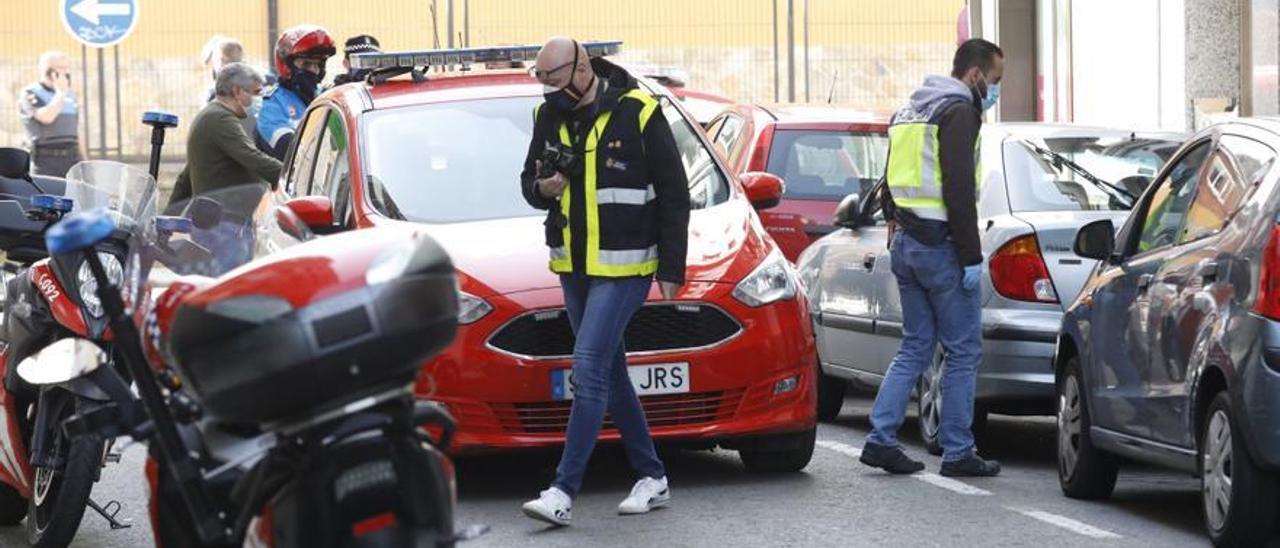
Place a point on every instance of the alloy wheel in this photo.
(1217, 462)
(1069, 430)
(931, 400)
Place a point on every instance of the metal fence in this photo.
(865, 53)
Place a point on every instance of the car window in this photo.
(1226, 184)
(1039, 174)
(708, 185)
(1252, 158)
(460, 161)
(727, 138)
(333, 169)
(713, 128)
(1167, 209)
(304, 153)
(827, 165)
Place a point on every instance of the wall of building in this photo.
(1213, 59)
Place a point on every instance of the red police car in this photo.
(728, 363)
(822, 153)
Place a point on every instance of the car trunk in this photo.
(1056, 232)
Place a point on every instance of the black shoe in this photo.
(971, 466)
(890, 459)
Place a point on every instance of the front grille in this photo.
(653, 328)
(660, 411)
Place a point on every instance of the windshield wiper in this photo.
(1059, 161)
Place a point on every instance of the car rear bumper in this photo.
(504, 402)
(1016, 376)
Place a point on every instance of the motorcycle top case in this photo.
(311, 328)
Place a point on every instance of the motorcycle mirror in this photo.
(62, 361)
(205, 213)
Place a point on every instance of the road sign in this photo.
(99, 23)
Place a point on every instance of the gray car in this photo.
(1039, 184)
(1171, 353)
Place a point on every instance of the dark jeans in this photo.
(599, 309)
(935, 308)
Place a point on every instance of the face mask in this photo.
(306, 83)
(992, 96)
(566, 99)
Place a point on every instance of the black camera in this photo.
(558, 159)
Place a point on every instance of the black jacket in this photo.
(957, 135)
(625, 157)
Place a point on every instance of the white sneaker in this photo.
(552, 506)
(647, 494)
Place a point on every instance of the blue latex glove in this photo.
(971, 276)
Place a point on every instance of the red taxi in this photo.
(728, 363)
(822, 153)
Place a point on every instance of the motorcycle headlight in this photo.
(89, 286)
(774, 280)
(471, 308)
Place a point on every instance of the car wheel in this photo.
(1238, 497)
(60, 495)
(1084, 472)
(12, 506)
(793, 454)
(929, 407)
(831, 392)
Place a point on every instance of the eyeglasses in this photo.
(544, 74)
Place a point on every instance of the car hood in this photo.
(502, 256)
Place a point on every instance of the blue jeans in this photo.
(599, 309)
(935, 308)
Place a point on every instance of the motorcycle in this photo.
(49, 475)
(273, 375)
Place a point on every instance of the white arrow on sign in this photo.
(92, 11)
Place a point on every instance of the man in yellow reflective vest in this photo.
(605, 166)
(937, 258)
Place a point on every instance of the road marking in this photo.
(1077, 527)
(935, 480)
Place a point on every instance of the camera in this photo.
(558, 159)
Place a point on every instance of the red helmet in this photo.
(301, 41)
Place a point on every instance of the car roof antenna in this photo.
(831, 95)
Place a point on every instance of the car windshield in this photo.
(827, 165)
(460, 161)
(1091, 173)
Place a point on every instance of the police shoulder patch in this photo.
(269, 90)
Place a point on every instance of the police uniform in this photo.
(55, 147)
(282, 109)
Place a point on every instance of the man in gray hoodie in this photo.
(937, 257)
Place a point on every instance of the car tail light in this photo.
(1268, 302)
(1018, 272)
(760, 156)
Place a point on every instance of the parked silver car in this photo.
(1039, 184)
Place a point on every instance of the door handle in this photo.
(1208, 270)
(1144, 281)
(869, 262)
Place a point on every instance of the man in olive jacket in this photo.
(219, 152)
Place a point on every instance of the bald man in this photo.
(617, 217)
(51, 117)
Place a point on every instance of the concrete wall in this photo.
(1213, 55)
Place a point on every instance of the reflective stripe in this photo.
(626, 196)
(650, 105)
(621, 257)
(559, 253)
(915, 167)
(565, 265)
(593, 210)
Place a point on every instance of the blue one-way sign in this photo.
(99, 23)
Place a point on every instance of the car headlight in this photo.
(774, 280)
(89, 286)
(471, 308)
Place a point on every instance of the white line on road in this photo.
(1077, 527)
(935, 480)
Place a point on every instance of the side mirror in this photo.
(15, 163)
(1096, 240)
(314, 211)
(849, 211)
(764, 190)
(62, 361)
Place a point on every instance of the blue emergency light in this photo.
(50, 202)
(465, 56)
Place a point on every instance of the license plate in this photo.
(649, 380)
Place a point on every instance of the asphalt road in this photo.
(835, 502)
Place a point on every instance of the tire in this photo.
(1238, 512)
(1084, 472)
(798, 450)
(12, 506)
(53, 521)
(831, 391)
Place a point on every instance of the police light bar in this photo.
(465, 56)
(50, 202)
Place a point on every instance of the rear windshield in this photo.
(1082, 173)
(827, 165)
